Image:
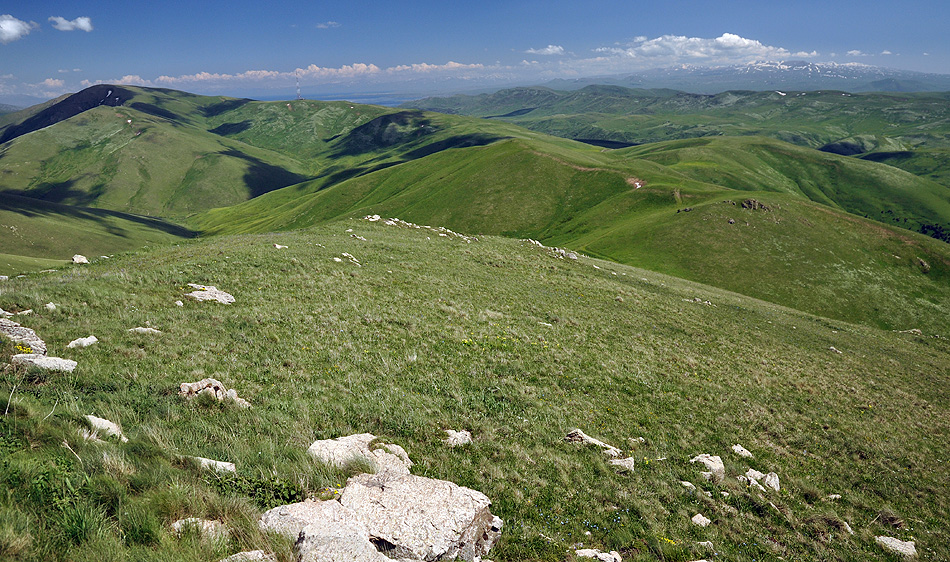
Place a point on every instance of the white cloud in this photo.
(52, 83)
(549, 50)
(426, 68)
(886, 52)
(328, 24)
(856, 53)
(727, 48)
(81, 23)
(12, 29)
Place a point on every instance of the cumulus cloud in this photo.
(886, 52)
(82, 23)
(328, 24)
(426, 68)
(12, 29)
(856, 53)
(726, 48)
(549, 50)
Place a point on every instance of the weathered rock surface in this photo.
(44, 362)
(908, 549)
(22, 336)
(101, 427)
(741, 451)
(578, 436)
(79, 258)
(250, 556)
(50, 306)
(208, 529)
(342, 450)
(700, 520)
(612, 556)
(82, 342)
(290, 519)
(209, 293)
(421, 518)
(457, 438)
(624, 464)
(213, 388)
(717, 471)
(336, 534)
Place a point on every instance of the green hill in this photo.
(499, 337)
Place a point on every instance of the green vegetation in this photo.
(497, 336)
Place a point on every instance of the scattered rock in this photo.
(690, 487)
(143, 330)
(352, 259)
(44, 362)
(82, 342)
(208, 529)
(623, 464)
(832, 348)
(25, 312)
(363, 446)
(358, 237)
(771, 480)
(50, 306)
(834, 497)
(612, 556)
(847, 528)
(24, 336)
(741, 451)
(179, 303)
(700, 520)
(250, 556)
(279, 246)
(907, 549)
(912, 331)
(706, 544)
(80, 259)
(213, 465)
(578, 436)
(5, 314)
(4, 278)
(211, 387)
(421, 518)
(754, 205)
(457, 438)
(717, 471)
(209, 293)
(732, 221)
(103, 427)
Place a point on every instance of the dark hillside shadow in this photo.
(216, 109)
(459, 141)
(384, 131)
(226, 129)
(262, 177)
(32, 207)
(155, 110)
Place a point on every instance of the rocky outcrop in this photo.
(213, 388)
(421, 518)
(457, 438)
(578, 436)
(100, 427)
(82, 342)
(907, 549)
(361, 447)
(716, 470)
(209, 293)
(612, 556)
(250, 556)
(23, 336)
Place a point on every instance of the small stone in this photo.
(4, 278)
(741, 451)
(700, 520)
(213, 465)
(279, 246)
(179, 303)
(834, 497)
(688, 485)
(624, 464)
(82, 342)
(457, 438)
(578, 436)
(143, 330)
(832, 348)
(706, 544)
(104, 427)
(209, 530)
(612, 556)
(250, 556)
(209, 293)
(50, 306)
(78, 258)
(717, 471)
(905, 548)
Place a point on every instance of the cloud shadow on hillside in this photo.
(262, 177)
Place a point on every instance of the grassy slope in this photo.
(498, 337)
(519, 188)
(36, 234)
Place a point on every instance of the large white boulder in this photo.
(23, 336)
(421, 518)
(102, 428)
(905, 548)
(578, 436)
(44, 362)
(82, 342)
(612, 556)
(717, 470)
(209, 293)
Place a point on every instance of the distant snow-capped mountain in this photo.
(768, 75)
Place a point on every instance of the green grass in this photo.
(497, 337)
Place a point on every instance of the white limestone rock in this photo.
(342, 450)
(50, 306)
(771, 481)
(624, 464)
(279, 246)
(717, 471)
(213, 388)
(457, 438)
(250, 556)
(741, 451)
(612, 556)
(79, 258)
(207, 529)
(213, 465)
(145, 331)
(101, 428)
(422, 518)
(209, 293)
(82, 342)
(44, 362)
(701, 520)
(906, 549)
(578, 436)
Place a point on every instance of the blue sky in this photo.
(257, 48)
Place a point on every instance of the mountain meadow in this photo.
(672, 274)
